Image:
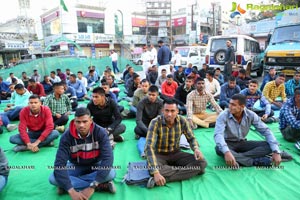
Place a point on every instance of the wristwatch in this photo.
(277, 152)
(94, 184)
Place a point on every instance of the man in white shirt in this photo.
(153, 51)
(81, 78)
(146, 58)
(176, 59)
(212, 85)
(114, 60)
(54, 78)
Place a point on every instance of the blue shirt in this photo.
(70, 92)
(229, 129)
(187, 71)
(78, 86)
(252, 98)
(4, 86)
(290, 85)
(227, 92)
(289, 115)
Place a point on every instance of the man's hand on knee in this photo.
(159, 179)
(229, 158)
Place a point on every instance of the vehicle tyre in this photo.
(220, 56)
(139, 62)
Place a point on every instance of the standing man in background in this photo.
(153, 51)
(177, 59)
(114, 60)
(229, 60)
(164, 56)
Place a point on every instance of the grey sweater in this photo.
(4, 171)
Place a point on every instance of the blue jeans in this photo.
(5, 119)
(133, 110)
(273, 107)
(3, 181)
(13, 114)
(182, 109)
(115, 66)
(79, 177)
(79, 94)
(16, 139)
(141, 146)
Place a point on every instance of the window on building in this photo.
(139, 30)
(90, 25)
(153, 31)
(179, 30)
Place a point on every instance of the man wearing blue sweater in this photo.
(81, 92)
(84, 159)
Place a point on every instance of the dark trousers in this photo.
(140, 131)
(227, 71)
(245, 151)
(121, 128)
(63, 120)
(290, 134)
(169, 166)
(261, 113)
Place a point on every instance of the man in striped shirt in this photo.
(165, 160)
(196, 106)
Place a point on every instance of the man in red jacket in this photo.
(36, 127)
(36, 88)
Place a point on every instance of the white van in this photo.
(246, 50)
(192, 54)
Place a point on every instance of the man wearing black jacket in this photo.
(84, 159)
(179, 76)
(106, 114)
(182, 92)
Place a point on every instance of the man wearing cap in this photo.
(164, 56)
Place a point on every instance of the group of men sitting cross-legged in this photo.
(85, 148)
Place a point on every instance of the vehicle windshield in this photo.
(220, 43)
(183, 51)
(286, 34)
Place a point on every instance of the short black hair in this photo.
(210, 73)
(104, 83)
(240, 97)
(68, 70)
(170, 76)
(73, 75)
(144, 81)
(81, 111)
(160, 42)
(153, 88)
(218, 68)
(13, 80)
(34, 96)
(254, 81)
(11, 73)
(170, 102)
(58, 70)
(23, 72)
(199, 79)
(232, 78)
(19, 86)
(31, 80)
(135, 75)
(163, 70)
(281, 75)
(79, 72)
(297, 91)
(99, 90)
(57, 84)
(242, 71)
(52, 72)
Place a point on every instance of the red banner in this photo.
(179, 21)
(138, 22)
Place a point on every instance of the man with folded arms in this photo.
(36, 127)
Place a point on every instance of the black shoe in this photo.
(61, 191)
(137, 137)
(285, 157)
(212, 125)
(118, 138)
(106, 187)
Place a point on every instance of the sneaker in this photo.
(262, 161)
(11, 127)
(118, 138)
(60, 129)
(61, 191)
(20, 148)
(285, 157)
(271, 120)
(297, 145)
(107, 187)
(150, 183)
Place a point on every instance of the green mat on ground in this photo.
(246, 183)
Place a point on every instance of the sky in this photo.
(10, 8)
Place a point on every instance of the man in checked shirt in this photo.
(165, 160)
(196, 103)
